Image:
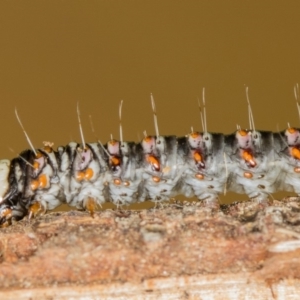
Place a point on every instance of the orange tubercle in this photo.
(199, 176)
(248, 175)
(38, 155)
(115, 161)
(153, 161)
(117, 181)
(297, 169)
(156, 179)
(80, 176)
(112, 142)
(43, 181)
(248, 157)
(296, 153)
(194, 135)
(242, 132)
(88, 174)
(147, 139)
(197, 157)
(291, 130)
(36, 165)
(48, 149)
(34, 185)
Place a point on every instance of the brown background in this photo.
(55, 53)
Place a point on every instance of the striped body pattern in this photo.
(204, 165)
(200, 164)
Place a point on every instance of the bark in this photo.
(180, 251)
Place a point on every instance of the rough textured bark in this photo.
(179, 251)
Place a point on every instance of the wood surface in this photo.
(178, 251)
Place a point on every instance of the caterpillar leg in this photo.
(35, 209)
(91, 206)
(261, 198)
(5, 216)
(211, 201)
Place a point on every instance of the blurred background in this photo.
(54, 54)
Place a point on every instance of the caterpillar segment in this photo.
(162, 167)
(46, 181)
(289, 153)
(125, 184)
(204, 174)
(84, 176)
(84, 173)
(254, 166)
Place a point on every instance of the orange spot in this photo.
(36, 165)
(197, 156)
(39, 155)
(153, 161)
(248, 157)
(194, 135)
(34, 184)
(248, 175)
(126, 183)
(199, 176)
(40, 183)
(115, 161)
(43, 181)
(242, 132)
(112, 142)
(88, 174)
(156, 179)
(147, 139)
(48, 149)
(291, 130)
(117, 181)
(80, 176)
(296, 153)
(297, 170)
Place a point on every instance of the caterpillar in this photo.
(202, 164)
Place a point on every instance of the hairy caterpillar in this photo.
(200, 164)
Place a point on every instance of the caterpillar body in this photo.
(202, 164)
